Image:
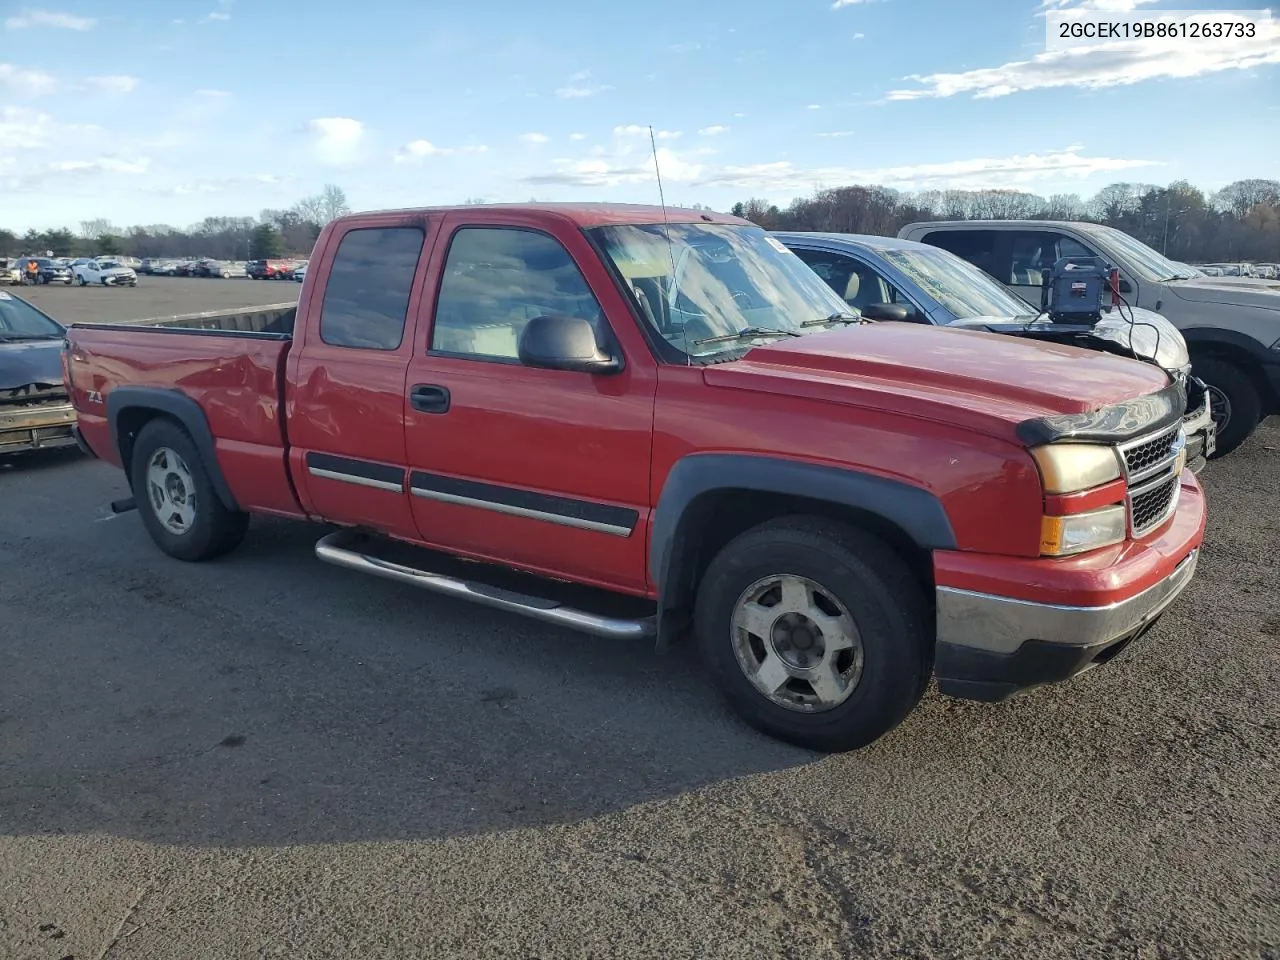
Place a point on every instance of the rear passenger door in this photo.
(346, 396)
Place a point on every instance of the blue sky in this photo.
(166, 111)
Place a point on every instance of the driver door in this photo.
(546, 469)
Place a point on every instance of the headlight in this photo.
(1069, 467)
(1063, 536)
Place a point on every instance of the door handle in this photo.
(429, 398)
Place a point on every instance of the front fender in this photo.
(695, 480)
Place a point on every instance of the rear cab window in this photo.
(366, 296)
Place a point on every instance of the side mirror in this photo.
(898, 312)
(556, 342)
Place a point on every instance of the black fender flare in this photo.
(694, 478)
(185, 411)
(1261, 363)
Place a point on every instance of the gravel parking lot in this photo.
(156, 297)
(268, 756)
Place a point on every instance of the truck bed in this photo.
(235, 379)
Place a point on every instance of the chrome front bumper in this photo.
(989, 647)
(36, 428)
(1202, 434)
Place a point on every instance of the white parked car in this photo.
(107, 273)
(301, 273)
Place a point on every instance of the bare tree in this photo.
(96, 229)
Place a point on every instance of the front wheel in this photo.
(82, 281)
(1234, 400)
(817, 632)
(177, 502)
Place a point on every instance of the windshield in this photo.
(20, 320)
(1146, 263)
(727, 279)
(960, 287)
(108, 264)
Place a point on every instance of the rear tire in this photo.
(1237, 404)
(176, 499)
(849, 632)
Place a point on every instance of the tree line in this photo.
(273, 233)
(1240, 222)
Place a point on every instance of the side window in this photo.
(855, 282)
(366, 297)
(976, 246)
(1035, 251)
(495, 281)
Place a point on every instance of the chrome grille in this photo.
(1152, 504)
(1153, 478)
(1151, 455)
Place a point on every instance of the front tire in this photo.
(82, 281)
(1234, 397)
(176, 499)
(816, 632)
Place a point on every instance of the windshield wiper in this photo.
(834, 318)
(747, 334)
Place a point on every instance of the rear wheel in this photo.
(817, 632)
(177, 502)
(1234, 399)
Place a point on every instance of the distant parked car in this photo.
(219, 268)
(301, 273)
(107, 273)
(51, 271)
(10, 272)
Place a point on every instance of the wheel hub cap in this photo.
(171, 491)
(797, 643)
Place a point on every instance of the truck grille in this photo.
(1152, 505)
(1151, 472)
(34, 395)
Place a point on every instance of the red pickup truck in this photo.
(649, 424)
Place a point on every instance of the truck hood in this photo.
(1236, 292)
(968, 378)
(30, 362)
(1151, 337)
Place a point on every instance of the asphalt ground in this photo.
(155, 297)
(268, 756)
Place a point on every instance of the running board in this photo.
(340, 549)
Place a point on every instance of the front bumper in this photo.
(992, 643)
(1202, 435)
(36, 428)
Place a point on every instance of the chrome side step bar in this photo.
(340, 549)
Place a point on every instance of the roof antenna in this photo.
(666, 232)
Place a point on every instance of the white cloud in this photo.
(973, 174)
(23, 129)
(337, 139)
(814, 106)
(623, 169)
(31, 82)
(217, 185)
(577, 87)
(577, 136)
(713, 130)
(1101, 6)
(48, 18)
(739, 115)
(534, 137)
(859, 36)
(1103, 65)
(221, 14)
(839, 133)
(636, 130)
(422, 149)
(216, 15)
(115, 83)
(690, 47)
(214, 94)
(847, 3)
